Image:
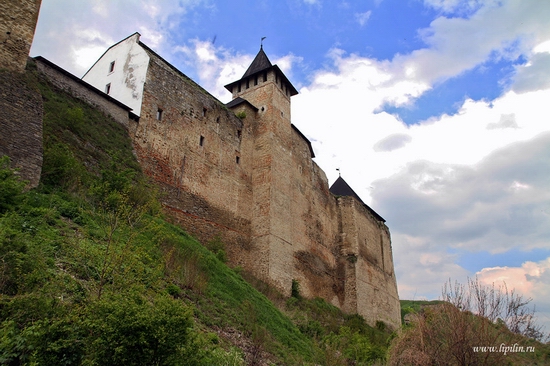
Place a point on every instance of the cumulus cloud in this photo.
(495, 205)
(457, 44)
(75, 42)
(423, 271)
(363, 18)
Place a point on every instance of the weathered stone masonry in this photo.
(20, 101)
(249, 180)
(17, 24)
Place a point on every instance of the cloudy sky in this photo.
(437, 112)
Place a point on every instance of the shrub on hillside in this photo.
(471, 317)
(11, 186)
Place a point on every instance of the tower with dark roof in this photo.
(266, 87)
(265, 92)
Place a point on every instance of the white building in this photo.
(121, 71)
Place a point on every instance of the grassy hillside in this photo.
(91, 273)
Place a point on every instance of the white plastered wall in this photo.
(128, 76)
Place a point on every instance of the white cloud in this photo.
(423, 271)
(533, 76)
(74, 42)
(456, 44)
(215, 66)
(363, 18)
(392, 142)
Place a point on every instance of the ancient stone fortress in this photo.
(243, 172)
(239, 171)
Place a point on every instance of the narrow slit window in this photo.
(265, 76)
(204, 112)
(112, 66)
(239, 133)
(159, 114)
(238, 159)
(201, 141)
(108, 88)
(255, 80)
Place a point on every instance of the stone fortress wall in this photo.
(249, 180)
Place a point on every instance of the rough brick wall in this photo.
(367, 244)
(17, 24)
(192, 153)
(21, 124)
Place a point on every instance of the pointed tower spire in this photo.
(341, 188)
(260, 63)
(257, 73)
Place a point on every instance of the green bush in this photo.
(11, 187)
(135, 331)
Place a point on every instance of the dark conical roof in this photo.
(261, 62)
(341, 188)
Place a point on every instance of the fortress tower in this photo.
(265, 87)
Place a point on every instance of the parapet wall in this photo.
(80, 89)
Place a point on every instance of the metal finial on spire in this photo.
(338, 169)
(262, 42)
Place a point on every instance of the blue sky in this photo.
(435, 111)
